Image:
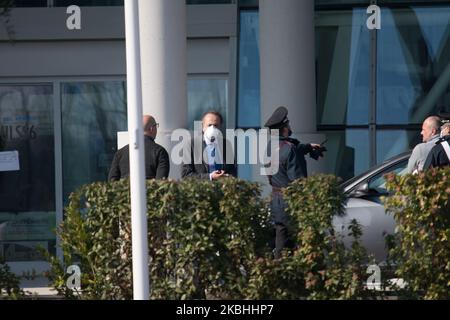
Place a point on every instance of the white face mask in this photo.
(211, 134)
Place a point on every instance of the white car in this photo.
(364, 204)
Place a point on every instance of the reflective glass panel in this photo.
(92, 114)
(342, 67)
(27, 171)
(413, 64)
(206, 95)
(91, 3)
(249, 113)
(348, 152)
(393, 142)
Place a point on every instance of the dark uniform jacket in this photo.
(437, 156)
(292, 162)
(157, 164)
(201, 170)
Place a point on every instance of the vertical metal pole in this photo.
(57, 121)
(137, 169)
(373, 94)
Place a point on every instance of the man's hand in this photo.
(216, 175)
(317, 151)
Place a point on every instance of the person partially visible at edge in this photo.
(445, 130)
(215, 167)
(430, 135)
(439, 155)
(291, 166)
(157, 163)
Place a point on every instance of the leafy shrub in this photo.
(421, 208)
(320, 267)
(9, 283)
(210, 240)
(203, 238)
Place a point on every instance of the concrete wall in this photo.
(42, 46)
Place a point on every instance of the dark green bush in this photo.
(210, 240)
(203, 238)
(421, 253)
(9, 283)
(320, 267)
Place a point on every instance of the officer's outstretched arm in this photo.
(305, 148)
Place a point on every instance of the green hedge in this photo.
(9, 283)
(203, 238)
(320, 267)
(421, 253)
(210, 240)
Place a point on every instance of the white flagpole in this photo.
(137, 158)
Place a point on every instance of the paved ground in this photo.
(39, 287)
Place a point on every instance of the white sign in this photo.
(122, 139)
(9, 161)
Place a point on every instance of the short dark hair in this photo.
(216, 113)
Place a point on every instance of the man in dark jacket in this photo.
(439, 156)
(216, 166)
(157, 163)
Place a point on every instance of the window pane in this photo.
(249, 113)
(205, 95)
(90, 3)
(393, 142)
(334, 2)
(348, 152)
(92, 114)
(342, 60)
(378, 182)
(413, 64)
(25, 3)
(209, 1)
(368, 2)
(27, 196)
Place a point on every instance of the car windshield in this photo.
(375, 168)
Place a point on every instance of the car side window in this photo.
(378, 182)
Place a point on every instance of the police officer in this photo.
(439, 156)
(291, 166)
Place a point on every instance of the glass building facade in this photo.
(374, 88)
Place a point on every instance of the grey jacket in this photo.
(420, 154)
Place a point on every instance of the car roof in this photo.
(350, 183)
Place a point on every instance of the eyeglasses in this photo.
(156, 125)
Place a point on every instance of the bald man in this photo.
(430, 135)
(157, 164)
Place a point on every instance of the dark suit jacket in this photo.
(200, 170)
(157, 164)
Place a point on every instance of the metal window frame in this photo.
(56, 82)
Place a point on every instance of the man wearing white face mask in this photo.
(213, 165)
